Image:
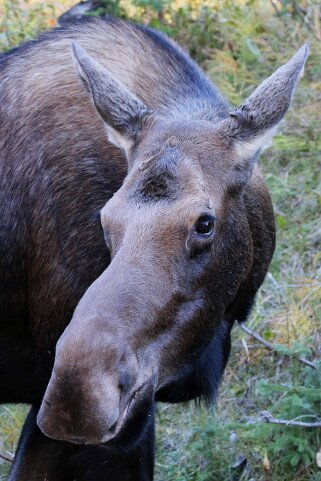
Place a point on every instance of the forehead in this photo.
(176, 172)
(168, 187)
(173, 163)
(166, 177)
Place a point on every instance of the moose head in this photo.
(181, 247)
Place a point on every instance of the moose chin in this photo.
(101, 318)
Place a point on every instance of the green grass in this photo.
(11, 419)
(239, 45)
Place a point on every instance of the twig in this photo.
(267, 416)
(308, 363)
(274, 281)
(299, 284)
(6, 457)
(271, 347)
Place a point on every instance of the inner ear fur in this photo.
(252, 125)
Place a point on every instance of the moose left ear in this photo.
(253, 123)
(122, 112)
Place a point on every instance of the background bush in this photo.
(239, 43)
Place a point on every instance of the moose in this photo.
(135, 229)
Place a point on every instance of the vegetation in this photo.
(239, 43)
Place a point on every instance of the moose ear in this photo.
(121, 110)
(253, 123)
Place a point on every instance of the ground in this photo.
(239, 44)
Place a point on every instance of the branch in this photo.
(6, 457)
(267, 416)
(271, 347)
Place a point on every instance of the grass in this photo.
(239, 44)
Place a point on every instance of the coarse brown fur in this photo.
(155, 300)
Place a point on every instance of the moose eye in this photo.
(205, 225)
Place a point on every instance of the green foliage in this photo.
(21, 22)
(153, 5)
(109, 7)
(11, 419)
(296, 445)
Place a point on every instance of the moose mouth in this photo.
(134, 397)
(134, 404)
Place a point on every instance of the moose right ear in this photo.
(253, 123)
(121, 110)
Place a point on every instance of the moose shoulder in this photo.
(105, 116)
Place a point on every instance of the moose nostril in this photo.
(125, 382)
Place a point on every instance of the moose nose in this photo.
(60, 425)
(80, 412)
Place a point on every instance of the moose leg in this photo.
(99, 463)
(39, 458)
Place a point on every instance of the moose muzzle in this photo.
(89, 397)
(100, 378)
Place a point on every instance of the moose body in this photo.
(159, 277)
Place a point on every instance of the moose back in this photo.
(135, 228)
